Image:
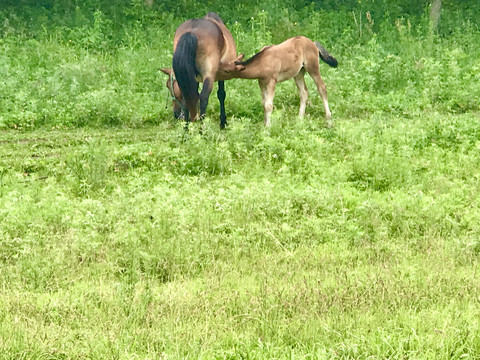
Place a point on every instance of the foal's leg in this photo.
(221, 97)
(268, 92)
(322, 89)
(302, 91)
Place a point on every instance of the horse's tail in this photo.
(325, 56)
(184, 68)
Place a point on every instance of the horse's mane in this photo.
(254, 57)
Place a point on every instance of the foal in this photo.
(200, 47)
(276, 63)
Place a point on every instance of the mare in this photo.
(200, 47)
(276, 63)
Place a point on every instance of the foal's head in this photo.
(233, 66)
(175, 94)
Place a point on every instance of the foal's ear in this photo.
(239, 66)
(166, 71)
(238, 62)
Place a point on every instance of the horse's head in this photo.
(175, 94)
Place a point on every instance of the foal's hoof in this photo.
(328, 116)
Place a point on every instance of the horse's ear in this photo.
(166, 71)
(240, 57)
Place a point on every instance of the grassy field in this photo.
(357, 241)
(124, 237)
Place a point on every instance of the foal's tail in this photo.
(184, 68)
(325, 56)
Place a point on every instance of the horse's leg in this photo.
(322, 89)
(204, 95)
(268, 92)
(187, 119)
(221, 97)
(302, 91)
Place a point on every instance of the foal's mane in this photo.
(253, 58)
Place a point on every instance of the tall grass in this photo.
(303, 241)
(94, 68)
(124, 236)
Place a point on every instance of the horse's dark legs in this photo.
(187, 118)
(204, 94)
(221, 97)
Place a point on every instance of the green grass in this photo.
(124, 237)
(358, 241)
(95, 69)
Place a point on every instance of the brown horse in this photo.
(200, 46)
(276, 63)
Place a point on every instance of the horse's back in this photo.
(286, 59)
(299, 43)
(229, 49)
(304, 49)
(205, 31)
(214, 39)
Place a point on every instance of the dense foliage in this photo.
(77, 63)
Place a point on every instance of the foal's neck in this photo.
(251, 70)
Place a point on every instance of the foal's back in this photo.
(289, 57)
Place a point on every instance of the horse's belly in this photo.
(286, 75)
